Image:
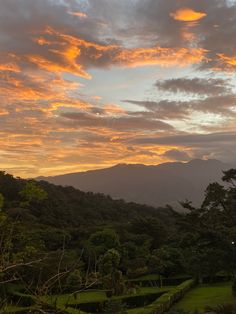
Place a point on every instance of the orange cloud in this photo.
(9, 67)
(8, 62)
(3, 112)
(160, 56)
(113, 109)
(67, 53)
(52, 66)
(187, 15)
(30, 86)
(228, 60)
(69, 103)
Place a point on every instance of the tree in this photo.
(166, 261)
(1, 201)
(111, 275)
(152, 227)
(101, 241)
(230, 176)
(109, 262)
(215, 196)
(32, 192)
(207, 233)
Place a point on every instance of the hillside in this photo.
(68, 207)
(157, 185)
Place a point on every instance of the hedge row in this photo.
(134, 301)
(156, 282)
(164, 303)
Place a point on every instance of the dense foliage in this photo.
(58, 239)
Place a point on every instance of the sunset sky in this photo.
(86, 84)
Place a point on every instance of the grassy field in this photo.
(204, 295)
(88, 296)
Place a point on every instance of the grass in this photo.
(140, 310)
(90, 296)
(100, 296)
(15, 309)
(203, 295)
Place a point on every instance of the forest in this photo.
(66, 251)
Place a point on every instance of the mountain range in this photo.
(156, 185)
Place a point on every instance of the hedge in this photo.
(164, 303)
(133, 301)
(156, 282)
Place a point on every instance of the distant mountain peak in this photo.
(155, 185)
(204, 161)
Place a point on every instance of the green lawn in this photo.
(94, 296)
(91, 296)
(204, 295)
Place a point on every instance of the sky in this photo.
(86, 84)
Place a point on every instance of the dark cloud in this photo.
(163, 109)
(200, 86)
(112, 27)
(190, 139)
(175, 154)
(123, 123)
(214, 33)
(223, 105)
(215, 145)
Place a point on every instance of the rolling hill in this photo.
(156, 185)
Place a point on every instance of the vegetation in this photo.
(57, 242)
(207, 296)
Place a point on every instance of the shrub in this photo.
(234, 287)
(165, 302)
(137, 272)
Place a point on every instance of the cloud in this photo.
(122, 123)
(51, 122)
(190, 139)
(200, 86)
(78, 14)
(211, 145)
(175, 154)
(74, 37)
(163, 109)
(213, 32)
(222, 105)
(187, 15)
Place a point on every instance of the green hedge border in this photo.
(164, 303)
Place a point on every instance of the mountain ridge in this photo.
(154, 185)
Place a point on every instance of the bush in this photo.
(139, 300)
(165, 302)
(234, 287)
(156, 282)
(137, 272)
